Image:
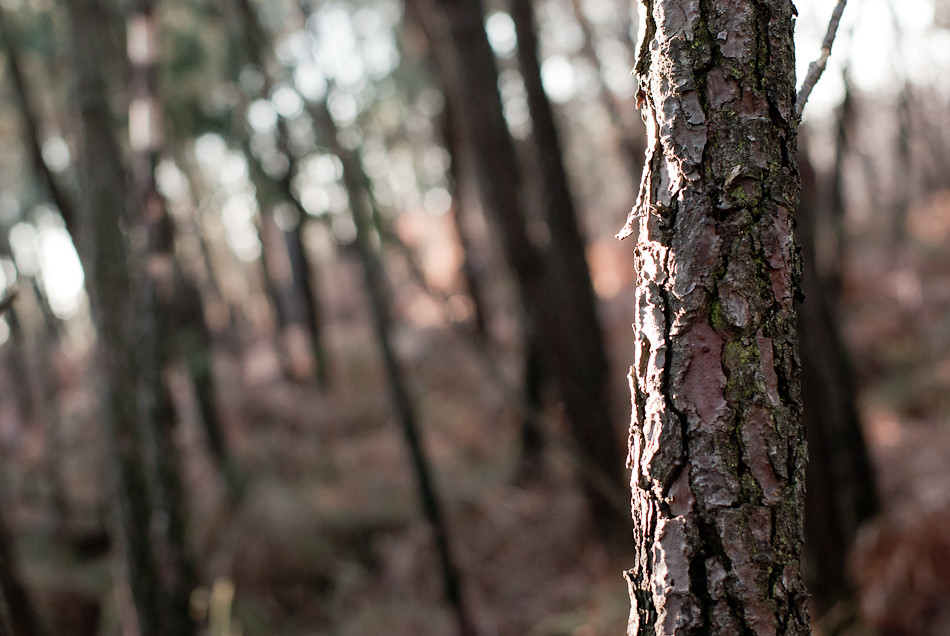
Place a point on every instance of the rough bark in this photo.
(717, 449)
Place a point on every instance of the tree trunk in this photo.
(154, 264)
(630, 140)
(845, 123)
(102, 248)
(456, 29)
(31, 127)
(568, 276)
(250, 41)
(451, 133)
(17, 614)
(841, 485)
(377, 288)
(717, 446)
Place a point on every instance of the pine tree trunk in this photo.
(296, 300)
(17, 614)
(104, 253)
(717, 447)
(155, 268)
(377, 288)
(456, 29)
(841, 485)
(568, 279)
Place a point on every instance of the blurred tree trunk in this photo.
(717, 445)
(104, 253)
(452, 136)
(17, 614)
(195, 346)
(294, 297)
(631, 140)
(377, 288)
(533, 376)
(567, 272)
(841, 491)
(31, 126)
(456, 30)
(903, 166)
(19, 364)
(154, 262)
(837, 200)
(34, 338)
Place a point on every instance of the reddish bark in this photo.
(717, 447)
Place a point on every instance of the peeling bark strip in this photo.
(717, 448)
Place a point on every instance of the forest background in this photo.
(264, 302)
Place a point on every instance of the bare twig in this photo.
(816, 68)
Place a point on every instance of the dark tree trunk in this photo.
(196, 341)
(717, 446)
(452, 136)
(840, 480)
(17, 614)
(102, 248)
(629, 139)
(377, 287)
(837, 199)
(20, 374)
(301, 304)
(31, 127)
(155, 265)
(455, 28)
(568, 279)
(194, 338)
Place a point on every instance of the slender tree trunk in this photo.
(841, 485)
(301, 266)
(195, 338)
(31, 127)
(247, 30)
(631, 141)
(531, 461)
(153, 260)
(196, 341)
(717, 447)
(837, 199)
(568, 278)
(17, 614)
(456, 29)
(903, 167)
(451, 133)
(377, 288)
(103, 250)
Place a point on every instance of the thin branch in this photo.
(816, 68)
(31, 127)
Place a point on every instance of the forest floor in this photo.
(329, 537)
